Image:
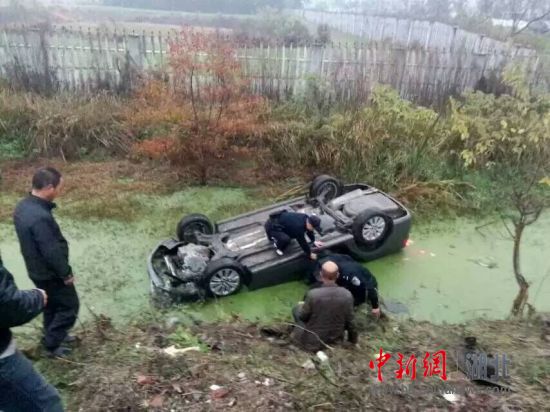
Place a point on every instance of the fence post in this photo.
(429, 35)
(79, 58)
(245, 55)
(409, 35)
(153, 49)
(282, 68)
(322, 65)
(99, 56)
(453, 39)
(479, 47)
(161, 50)
(7, 51)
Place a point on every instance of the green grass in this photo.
(11, 149)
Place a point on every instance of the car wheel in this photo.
(370, 228)
(224, 277)
(325, 187)
(190, 224)
(358, 252)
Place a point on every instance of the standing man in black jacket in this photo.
(22, 388)
(46, 254)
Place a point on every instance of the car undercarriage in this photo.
(217, 260)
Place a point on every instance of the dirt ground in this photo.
(110, 183)
(103, 177)
(241, 367)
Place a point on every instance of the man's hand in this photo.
(376, 312)
(44, 296)
(69, 281)
(318, 244)
(313, 256)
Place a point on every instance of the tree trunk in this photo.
(520, 301)
(521, 298)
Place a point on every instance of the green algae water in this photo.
(452, 270)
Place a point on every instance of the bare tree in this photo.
(528, 204)
(522, 13)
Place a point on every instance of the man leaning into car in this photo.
(354, 277)
(283, 226)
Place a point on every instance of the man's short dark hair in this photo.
(315, 222)
(45, 177)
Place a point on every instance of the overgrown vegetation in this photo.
(64, 126)
(272, 27)
(208, 110)
(390, 141)
(207, 122)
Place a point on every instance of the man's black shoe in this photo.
(70, 339)
(61, 352)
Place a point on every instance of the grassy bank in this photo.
(127, 369)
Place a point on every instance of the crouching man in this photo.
(325, 315)
(284, 226)
(22, 388)
(354, 277)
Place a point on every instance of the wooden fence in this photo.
(84, 61)
(407, 32)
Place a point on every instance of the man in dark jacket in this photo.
(326, 314)
(22, 388)
(46, 254)
(282, 227)
(354, 277)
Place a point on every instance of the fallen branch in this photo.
(291, 192)
(321, 404)
(191, 393)
(477, 228)
(70, 361)
(244, 335)
(309, 331)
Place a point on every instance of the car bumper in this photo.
(157, 283)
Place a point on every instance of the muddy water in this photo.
(450, 272)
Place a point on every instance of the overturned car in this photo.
(218, 259)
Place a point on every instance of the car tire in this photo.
(325, 184)
(358, 252)
(191, 223)
(371, 228)
(224, 277)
